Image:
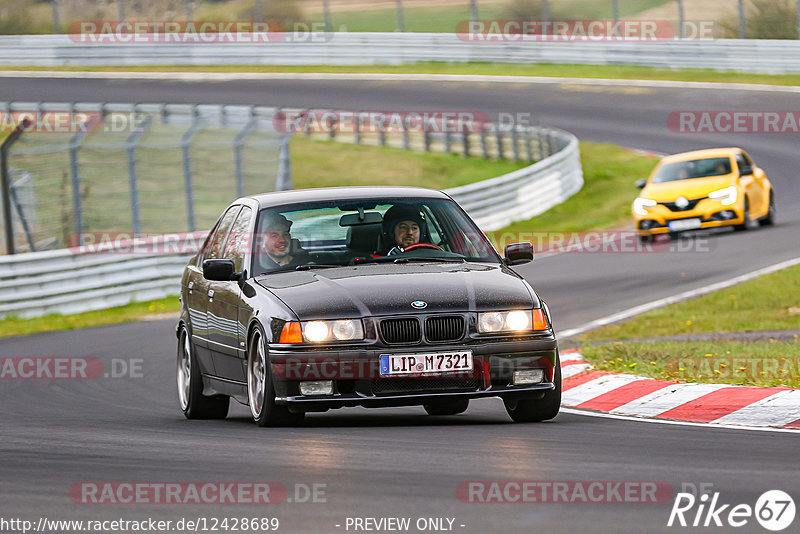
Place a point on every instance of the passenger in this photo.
(277, 244)
(403, 226)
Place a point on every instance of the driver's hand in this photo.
(395, 251)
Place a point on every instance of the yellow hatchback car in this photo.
(703, 189)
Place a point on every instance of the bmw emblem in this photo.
(419, 304)
(681, 202)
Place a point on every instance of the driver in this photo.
(403, 226)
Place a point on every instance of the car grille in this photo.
(672, 207)
(449, 328)
(405, 330)
(389, 386)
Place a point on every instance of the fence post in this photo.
(401, 23)
(742, 30)
(327, 14)
(499, 136)
(448, 141)
(284, 181)
(130, 145)
(484, 143)
(681, 20)
(515, 142)
(473, 9)
(5, 183)
(357, 132)
(465, 141)
(238, 142)
(56, 21)
(528, 144)
(186, 141)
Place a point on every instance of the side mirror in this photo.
(518, 253)
(641, 183)
(746, 170)
(219, 270)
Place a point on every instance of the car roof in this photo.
(706, 153)
(280, 198)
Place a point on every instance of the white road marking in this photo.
(595, 388)
(779, 409)
(574, 369)
(686, 295)
(667, 398)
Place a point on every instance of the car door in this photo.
(196, 291)
(760, 187)
(750, 183)
(226, 338)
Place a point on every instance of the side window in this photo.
(214, 248)
(433, 226)
(747, 159)
(239, 240)
(742, 161)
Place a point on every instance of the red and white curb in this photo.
(637, 396)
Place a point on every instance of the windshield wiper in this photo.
(428, 260)
(309, 266)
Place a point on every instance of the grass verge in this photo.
(770, 302)
(756, 363)
(136, 311)
(475, 68)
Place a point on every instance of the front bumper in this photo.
(357, 380)
(712, 214)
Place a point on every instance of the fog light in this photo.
(316, 387)
(530, 376)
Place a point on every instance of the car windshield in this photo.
(696, 168)
(338, 233)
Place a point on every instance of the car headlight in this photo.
(321, 331)
(640, 205)
(338, 330)
(726, 196)
(511, 321)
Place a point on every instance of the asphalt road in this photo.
(400, 462)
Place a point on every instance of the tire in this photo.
(449, 407)
(746, 224)
(769, 219)
(194, 404)
(261, 391)
(535, 410)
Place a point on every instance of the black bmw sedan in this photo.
(307, 300)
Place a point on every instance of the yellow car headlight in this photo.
(726, 196)
(640, 205)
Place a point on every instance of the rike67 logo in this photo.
(774, 510)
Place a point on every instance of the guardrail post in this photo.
(448, 142)
(465, 141)
(540, 142)
(332, 128)
(238, 143)
(130, 145)
(426, 138)
(381, 134)
(186, 141)
(5, 183)
(406, 137)
(284, 181)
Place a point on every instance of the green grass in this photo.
(761, 363)
(489, 69)
(609, 173)
(136, 311)
(332, 163)
(769, 302)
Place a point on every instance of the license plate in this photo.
(684, 224)
(431, 363)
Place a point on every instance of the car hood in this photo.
(389, 289)
(691, 189)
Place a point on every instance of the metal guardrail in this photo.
(74, 280)
(346, 48)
